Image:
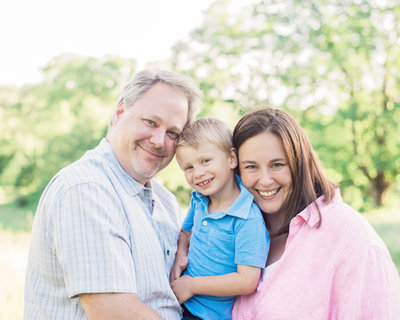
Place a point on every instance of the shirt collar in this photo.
(131, 186)
(310, 213)
(241, 206)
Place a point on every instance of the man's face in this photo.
(143, 135)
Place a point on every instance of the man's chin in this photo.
(146, 171)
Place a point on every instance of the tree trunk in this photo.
(379, 187)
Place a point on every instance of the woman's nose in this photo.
(266, 178)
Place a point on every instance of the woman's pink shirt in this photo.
(341, 270)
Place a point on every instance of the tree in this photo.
(54, 122)
(333, 65)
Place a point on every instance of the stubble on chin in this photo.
(145, 169)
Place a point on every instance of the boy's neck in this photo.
(222, 201)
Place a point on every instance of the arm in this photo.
(117, 306)
(380, 295)
(244, 281)
(181, 259)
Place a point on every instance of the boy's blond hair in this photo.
(208, 129)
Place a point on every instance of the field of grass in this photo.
(15, 226)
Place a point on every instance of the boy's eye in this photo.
(187, 168)
(204, 161)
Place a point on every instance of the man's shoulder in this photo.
(89, 168)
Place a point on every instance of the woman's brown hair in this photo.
(308, 179)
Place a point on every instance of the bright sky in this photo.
(32, 32)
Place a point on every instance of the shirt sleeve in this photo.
(380, 287)
(368, 289)
(252, 241)
(90, 241)
(189, 219)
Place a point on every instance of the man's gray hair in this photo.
(145, 79)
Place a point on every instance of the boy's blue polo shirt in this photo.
(219, 242)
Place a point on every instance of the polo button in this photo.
(204, 223)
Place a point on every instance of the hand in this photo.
(180, 264)
(182, 288)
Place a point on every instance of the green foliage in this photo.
(51, 124)
(333, 65)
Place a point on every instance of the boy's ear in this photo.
(233, 158)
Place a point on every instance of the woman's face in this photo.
(265, 171)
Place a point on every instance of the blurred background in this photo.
(334, 65)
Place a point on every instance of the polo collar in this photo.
(240, 208)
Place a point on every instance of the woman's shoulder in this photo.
(342, 219)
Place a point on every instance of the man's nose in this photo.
(157, 138)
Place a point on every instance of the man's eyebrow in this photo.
(158, 119)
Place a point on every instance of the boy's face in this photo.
(207, 168)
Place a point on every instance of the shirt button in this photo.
(296, 221)
(167, 252)
(204, 223)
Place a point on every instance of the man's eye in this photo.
(150, 122)
(173, 135)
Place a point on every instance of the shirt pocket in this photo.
(222, 245)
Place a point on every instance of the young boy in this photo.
(224, 235)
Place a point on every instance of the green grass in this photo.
(16, 223)
(15, 218)
(13, 256)
(386, 222)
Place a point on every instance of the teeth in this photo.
(269, 193)
(204, 182)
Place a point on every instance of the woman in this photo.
(325, 260)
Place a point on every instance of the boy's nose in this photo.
(198, 172)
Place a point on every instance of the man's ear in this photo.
(119, 110)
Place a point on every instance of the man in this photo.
(104, 236)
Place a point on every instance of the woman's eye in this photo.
(277, 165)
(250, 166)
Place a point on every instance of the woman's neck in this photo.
(278, 242)
(274, 221)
